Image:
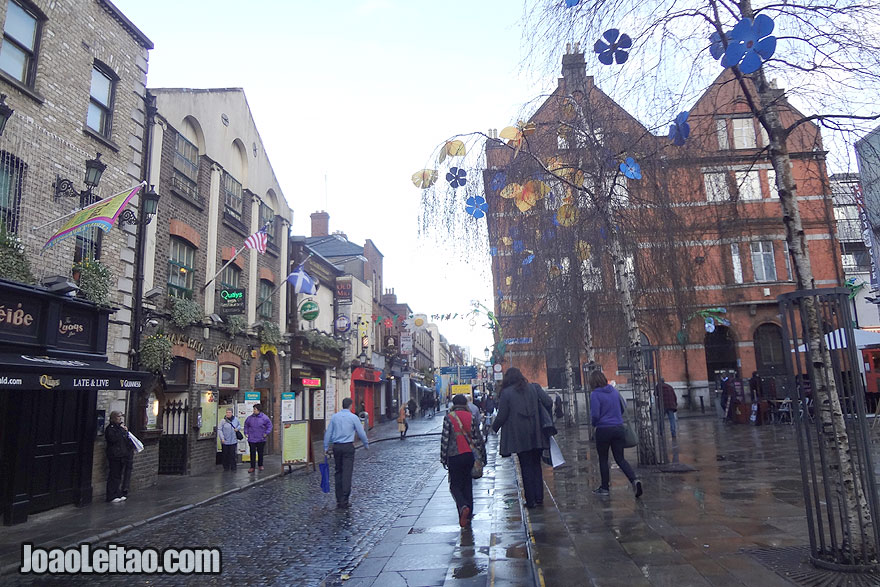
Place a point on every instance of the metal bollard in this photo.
(702, 406)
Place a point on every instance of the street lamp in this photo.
(149, 207)
(94, 170)
(5, 113)
(486, 353)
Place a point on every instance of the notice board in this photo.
(295, 443)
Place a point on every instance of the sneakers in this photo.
(261, 467)
(637, 486)
(601, 491)
(251, 470)
(123, 498)
(117, 500)
(464, 518)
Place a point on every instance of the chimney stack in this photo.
(320, 223)
(574, 68)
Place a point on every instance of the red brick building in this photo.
(702, 229)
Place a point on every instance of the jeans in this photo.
(257, 449)
(612, 437)
(229, 459)
(343, 456)
(533, 477)
(673, 429)
(461, 484)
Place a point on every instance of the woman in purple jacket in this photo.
(257, 428)
(606, 413)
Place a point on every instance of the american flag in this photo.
(258, 240)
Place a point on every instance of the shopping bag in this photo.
(556, 458)
(138, 445)
(325, 476)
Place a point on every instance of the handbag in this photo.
(630, 438)
(136, 442)
(239, 435)
(477, 469)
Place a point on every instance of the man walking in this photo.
(340, 433)
(670, 404)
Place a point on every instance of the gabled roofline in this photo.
(132, 30)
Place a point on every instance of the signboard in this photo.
(497, 367)
(311, 382)
(509, 341)
(75, 329)
(498, 376)
(318, 404)
(343, 324)
(243, 410)
(287, 406)
(309, 310)
(295, 443)
(209, 413)
(330, 398)
(463, 371)
(20, 317)
(206, 372)
(232, 301)
(459, 389)
(343, 291)
(406, 343)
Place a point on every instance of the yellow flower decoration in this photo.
(567, 215)
(511, 190)
(583, 250)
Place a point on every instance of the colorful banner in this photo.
(102, 214)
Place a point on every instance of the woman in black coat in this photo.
(519, 420)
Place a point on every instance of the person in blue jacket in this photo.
(606, 414)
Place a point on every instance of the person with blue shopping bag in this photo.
(340, 434)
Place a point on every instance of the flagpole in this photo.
(142, 184)
(210, 281)
(269, 297)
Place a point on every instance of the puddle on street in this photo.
(467, 570)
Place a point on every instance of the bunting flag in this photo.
(102, 214)
(302, 282)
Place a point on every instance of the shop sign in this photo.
(309, 310)
(228, 347)
(311, 382)
(343, 324)
(59, 381)
(406, 343)
(186, 341)
(343, 291)
(232, 301)
(20, 318)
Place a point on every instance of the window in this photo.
(101, 101)
(228, 376)
(716, 186)
(11, 176)
(88, 245)
(765, 139)
(787, 259)
(749, 185)
(856, 258)
(562, 142)
(769, 351)
(267, 219)
(743, 133)
(179, 372)
(265, 298)
(771, 183)
(232, 189)
(620, 190)
(763, 264)
(186, 168)
(18, 55)
(181, 269)
(736, 262)
(230, 277)
(721, 132)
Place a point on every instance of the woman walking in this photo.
(519, 420)
(606, 413)
(460, 443)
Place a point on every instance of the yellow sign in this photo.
(295, 447)
(209, 413)
(464, 388)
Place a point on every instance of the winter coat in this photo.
(519, 420)
(257, 427)
(605, 408)
(670, 402)
(452, 443)
(227, 430)
(119, 445)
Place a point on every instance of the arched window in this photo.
(769, 351)
(624, 363)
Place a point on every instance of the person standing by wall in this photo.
(460, 444)
(340, 435)
(670, 404)
(120, 457)
(521, 432)
(606, 414)
(229, 440)
(257, 428)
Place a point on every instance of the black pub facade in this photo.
(53, 362)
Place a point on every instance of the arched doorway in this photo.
(720, 353)
(770, 359)
(264, 383)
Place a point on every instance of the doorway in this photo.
(57, 433)
(720, 352)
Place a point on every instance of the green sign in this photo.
(309, 310)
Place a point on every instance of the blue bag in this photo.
(325, 476)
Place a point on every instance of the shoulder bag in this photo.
(631, 439)
(477, 470)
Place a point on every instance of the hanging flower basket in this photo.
(14, 264)
(155, 353)
(93, 278)
(235, 325)
(185, 312)
(270, 334)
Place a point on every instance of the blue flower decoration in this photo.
(476, 206)
(631, 169)
(549, 234)
(499, 180)
(751, 43)
(717, 48)
(613, 50)
(493, 251)
(680, 129)
(572, 3)
(514, 231)
(518, 247)
(456, 177)
(528, 260)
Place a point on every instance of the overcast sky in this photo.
(355, 96)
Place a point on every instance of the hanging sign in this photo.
(406, 343)
(232, 301)
(343, 291)
(309, 310)
(343, 324)
(311, 382)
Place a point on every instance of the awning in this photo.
(23, 371)
(837, 339)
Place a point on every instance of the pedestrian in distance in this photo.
(670, 404)
(120, 458)
(229, 440)
(489, 407)
(460, 444)
(340, 436)
(519, 420)
(557, 407)
(606, 414)
(402, 424)
(411, 405)
(257, 428)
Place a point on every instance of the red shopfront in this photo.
(366, 392)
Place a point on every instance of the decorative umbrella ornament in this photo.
(476, 206)
(680, 129)
(456, 177)
(572, 3)
(750, 43)
(611, 47)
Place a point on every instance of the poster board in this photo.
(208, 402)
(287, 406)
(318, 404)
(242, 411)
(295, 443)
(206, 372)
(330, 398)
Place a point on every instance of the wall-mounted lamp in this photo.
(149, 207)
(94, 169)
(60, 284)
(5, 113)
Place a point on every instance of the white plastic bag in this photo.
(555, 454)
(138, 445)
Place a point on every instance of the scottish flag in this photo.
(302, 282)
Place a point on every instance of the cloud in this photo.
(370, 7)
